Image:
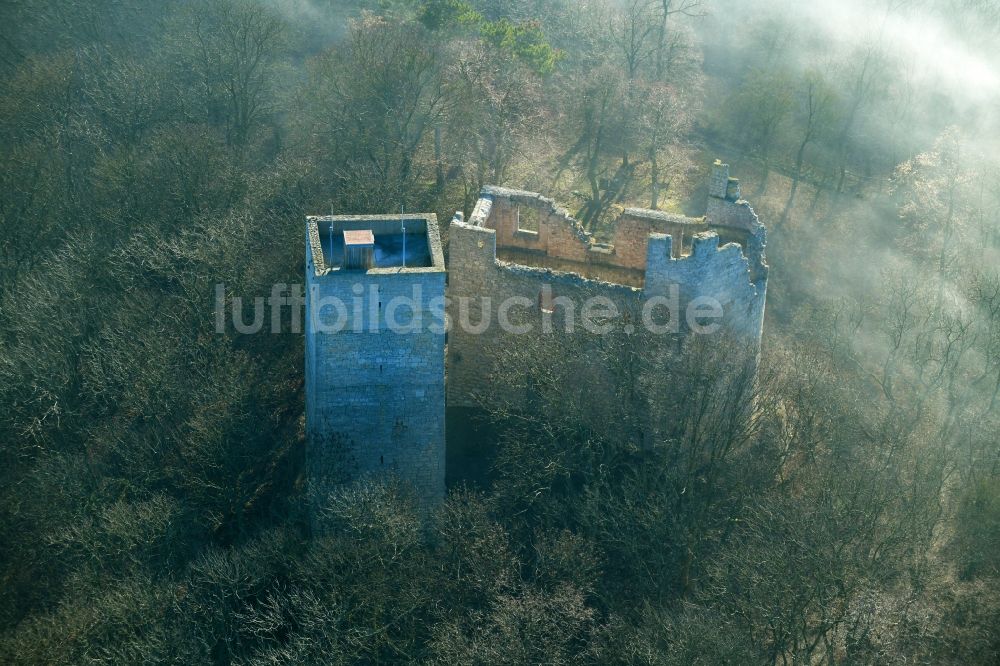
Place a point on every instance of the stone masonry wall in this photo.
(480, 283)
(533, 230)
(374, 397)
(558, 235)
(635, 225)
(735, 218)
(711, 271)
(732, 273)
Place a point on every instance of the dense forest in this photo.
(152, 498)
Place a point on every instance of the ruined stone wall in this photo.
(375, 397)
(636, 224)
(558, 235)
(712, 271)
(479, 282)
(732, 272)
(533, 231)
(735, 218)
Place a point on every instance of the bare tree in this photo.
(815, 116)
(667, 9)
(494, 107)
(374, 103)
(759, 109)
(666, 117)
(593, 437)
(236, 43)
(932, 190)
(633, 31)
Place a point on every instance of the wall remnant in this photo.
(492, 258)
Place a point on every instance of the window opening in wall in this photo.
(526, 220)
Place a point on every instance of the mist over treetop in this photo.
(651, 501)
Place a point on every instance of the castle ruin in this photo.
(375, 404)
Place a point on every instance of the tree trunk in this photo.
(819, 192)
(843, 177)
(799, 157)
(654, 175)
(595, 195)
(661, 46)
(766, 168)
(439, 166)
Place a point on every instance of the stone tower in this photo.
(375, 340)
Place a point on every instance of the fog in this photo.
(829, 495)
